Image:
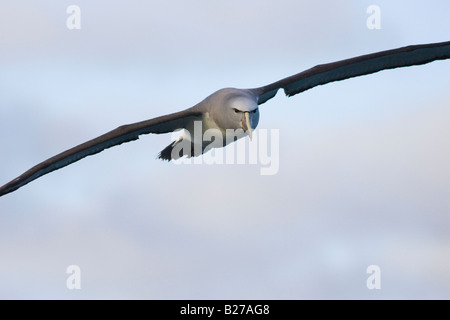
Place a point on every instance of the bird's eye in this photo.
(254, 111)
(236, 110)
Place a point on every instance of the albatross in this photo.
(232, 111)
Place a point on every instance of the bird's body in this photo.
(230, 114)
(223, 116)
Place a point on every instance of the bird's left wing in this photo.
(122, 134)
(358, 66)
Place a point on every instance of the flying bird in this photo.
(232, 112)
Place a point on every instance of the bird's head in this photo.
(241, 112)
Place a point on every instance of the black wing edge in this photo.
(122, 134)
(354, 67)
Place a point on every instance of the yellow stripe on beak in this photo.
(247, 124)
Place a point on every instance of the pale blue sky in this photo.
(364, 176)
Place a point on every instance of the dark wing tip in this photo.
(9, 187)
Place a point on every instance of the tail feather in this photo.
(169, 154)
(166, 153)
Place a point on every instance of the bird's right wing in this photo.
(358, 66)
(122, 134)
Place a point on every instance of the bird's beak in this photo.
(246, 124)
